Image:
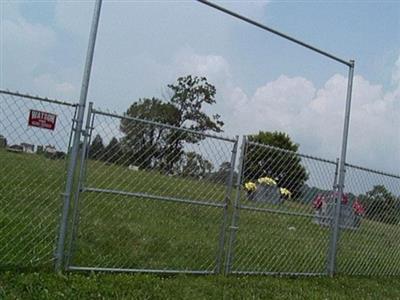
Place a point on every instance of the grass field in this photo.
(135, 232)
(119, 286)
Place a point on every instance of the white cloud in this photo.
(131, 62)
(315, 118)
(27, 54)
(74, 16)
(396, 72)
(312, 116)
(215, 67)
(46, 84)
(24, 44)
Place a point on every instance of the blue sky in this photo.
(263, 82)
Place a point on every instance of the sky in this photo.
(263, 82)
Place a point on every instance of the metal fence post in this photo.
(59, 255)
(227, 201)
(81, 176)
(235, 214)
(342, 169)
(334, 188)
(335, 180)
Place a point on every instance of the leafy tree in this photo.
(113, 152)
(152, 146)
(145, 143)
(285, 167)
(96, 150)
(189, 94)
(381, 205)
(194, 165)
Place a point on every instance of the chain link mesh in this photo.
(31, 179)
(279, 229)
(154, 197)
(373, 247)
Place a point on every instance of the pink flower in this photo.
(345, 199)
(358, 208)
(318, 201)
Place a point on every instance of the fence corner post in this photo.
(335, 222)
(60, 248)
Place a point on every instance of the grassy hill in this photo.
(137, 232)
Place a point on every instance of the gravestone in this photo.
(348, 219)
(266, 193)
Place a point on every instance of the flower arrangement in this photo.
(266, 180)
(358, 209)
(285, 192)
(321, 200)
(318, 201)
(250, 186)
(266, 189)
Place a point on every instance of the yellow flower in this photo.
(285, 192)
(267, 181)
(250, 186)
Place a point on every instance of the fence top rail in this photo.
(292, 152)
(115, 115)
(43, 99)
(373, 171)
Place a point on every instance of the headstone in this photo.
(348, 219)
(266, 193)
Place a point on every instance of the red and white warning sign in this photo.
(42, 119)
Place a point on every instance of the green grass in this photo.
(127, 232)
(120, 286)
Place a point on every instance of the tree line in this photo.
(156, 147)
(160, 148)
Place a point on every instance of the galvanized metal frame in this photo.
(60, 251)
(350, 64)
(230, 208)
(238, 207)
(80, 183)
(227, 201)
(83, 188)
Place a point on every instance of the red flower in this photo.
(358, 208)
(318, 201)
(345, 199)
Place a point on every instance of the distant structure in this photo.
(15, 148)
(39, 149)
(133, 168)
(3, 141)
(50, 149)
(28, 148)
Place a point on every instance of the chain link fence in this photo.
(154, 197)
(32, 176)
(276, 227)
(151, 197)
(373, 246)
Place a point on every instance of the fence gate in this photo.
(35, 135)
(274, 228)
(152, 197)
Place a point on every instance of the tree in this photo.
(113, 152)
(193, 165)
(153, 146)
(381, 205)
(145, 143)
(96, 150)
(285, 167)
(189, 94)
